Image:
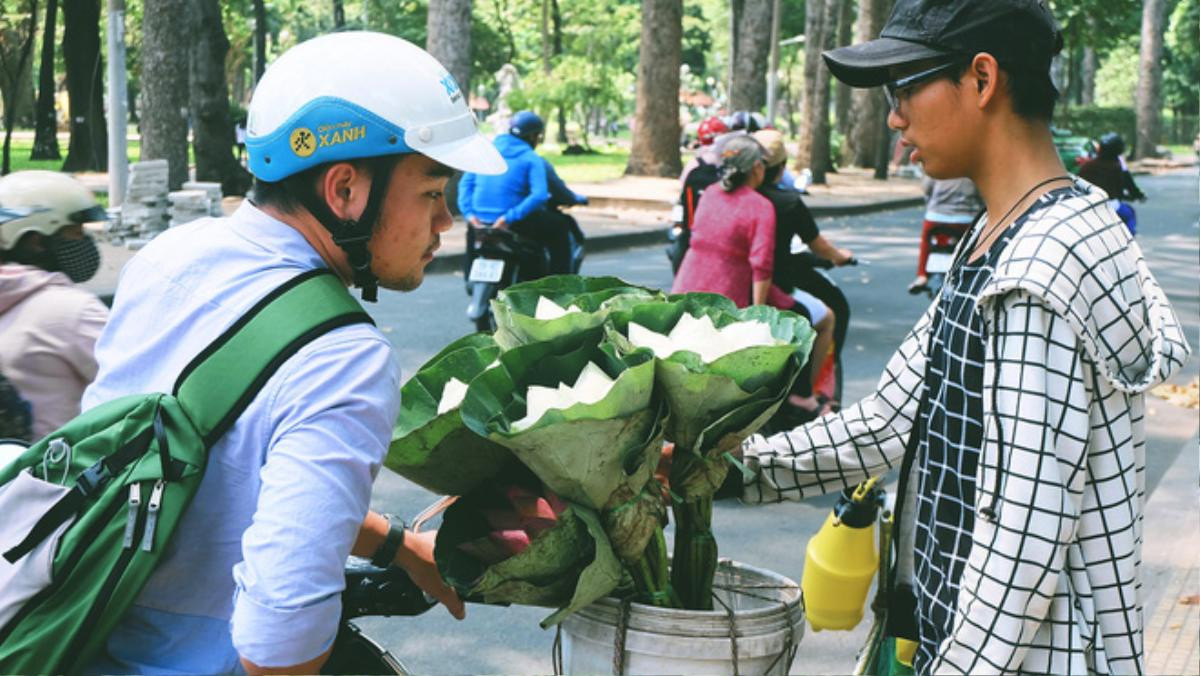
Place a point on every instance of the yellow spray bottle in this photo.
(841, 560)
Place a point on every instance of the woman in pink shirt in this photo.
(732, 250)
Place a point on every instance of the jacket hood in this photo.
(1077, 256)
(18, 282)
(510, 146)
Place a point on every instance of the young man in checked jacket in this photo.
(1015, 407)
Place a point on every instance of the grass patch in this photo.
(1181, 150)
(22, 146)
(606, 165)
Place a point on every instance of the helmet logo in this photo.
(451, 88)
(339, 133)
(303, 142)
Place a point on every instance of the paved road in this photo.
(495, 640)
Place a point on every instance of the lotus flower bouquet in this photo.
(588, 424)
(431, 445)
(723, 373)
(561, 305)
(564, 412)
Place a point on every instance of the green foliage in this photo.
(1181, 76)
(1099, 24)
(1094, 121)
(1116, 80)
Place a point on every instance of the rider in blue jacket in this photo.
(516, 198)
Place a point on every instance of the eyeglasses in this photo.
(898, 90)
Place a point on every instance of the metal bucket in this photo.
(756, 631)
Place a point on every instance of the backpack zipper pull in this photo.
(135, 500)
(152, 515)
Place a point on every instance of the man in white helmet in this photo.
(351, 138)
(48, 326)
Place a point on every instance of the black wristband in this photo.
(385, 555)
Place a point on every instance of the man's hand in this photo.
(500, 224)
(474, 221)
(844, 257)
(416, 558)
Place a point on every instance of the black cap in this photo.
(1019, 33)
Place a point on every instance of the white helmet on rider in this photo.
(359, 95)
(43, 202)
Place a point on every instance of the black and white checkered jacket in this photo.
(1078, 330)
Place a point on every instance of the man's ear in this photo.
(344, 186)
(986, 72)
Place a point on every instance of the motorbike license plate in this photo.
(677, 213)
(486, 270)
(938, 262)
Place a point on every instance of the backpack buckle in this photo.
(93, 478)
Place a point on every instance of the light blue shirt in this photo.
(255, 567)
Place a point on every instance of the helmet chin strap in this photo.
(354, 235)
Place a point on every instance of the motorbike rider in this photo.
(949, 203)
(824, 303)
(351, 137)
(1109, 172)
(708, 154)
(515, 199)
(48, 326)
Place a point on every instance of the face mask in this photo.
(76, 258)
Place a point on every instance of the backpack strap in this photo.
(223, 379)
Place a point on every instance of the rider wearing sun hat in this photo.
(351, 138)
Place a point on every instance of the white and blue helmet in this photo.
(360, 94)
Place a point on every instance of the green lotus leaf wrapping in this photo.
(438, 451)
(699, 394)
(567, 566)
(515, 307)
(587, 452)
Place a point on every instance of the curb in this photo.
(629, 240)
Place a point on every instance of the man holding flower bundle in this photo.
(351, 138)
(1015, 407)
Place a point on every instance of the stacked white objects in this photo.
(144, 212)
(213, 190)
(188, 205)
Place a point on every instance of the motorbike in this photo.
(372, 592)
(499, 258)
(943, 240)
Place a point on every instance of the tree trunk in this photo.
(556, 21)
(45, 120)
(339, 15)
(656, 130)
(28, 94)
(812, 55)
(820, 35)
(448, 26)
(1091, 63)
(749, 89)
(735, 18)
(165, 26)
(260, 39)
(1148, 101)
(883, 149)
(14, 89)
(868, 109)
(213, 136)
(845, 33)
(88, 148)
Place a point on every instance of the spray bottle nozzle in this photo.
(859, 507)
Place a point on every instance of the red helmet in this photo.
(710, 129)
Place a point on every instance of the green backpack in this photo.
(88, 510)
